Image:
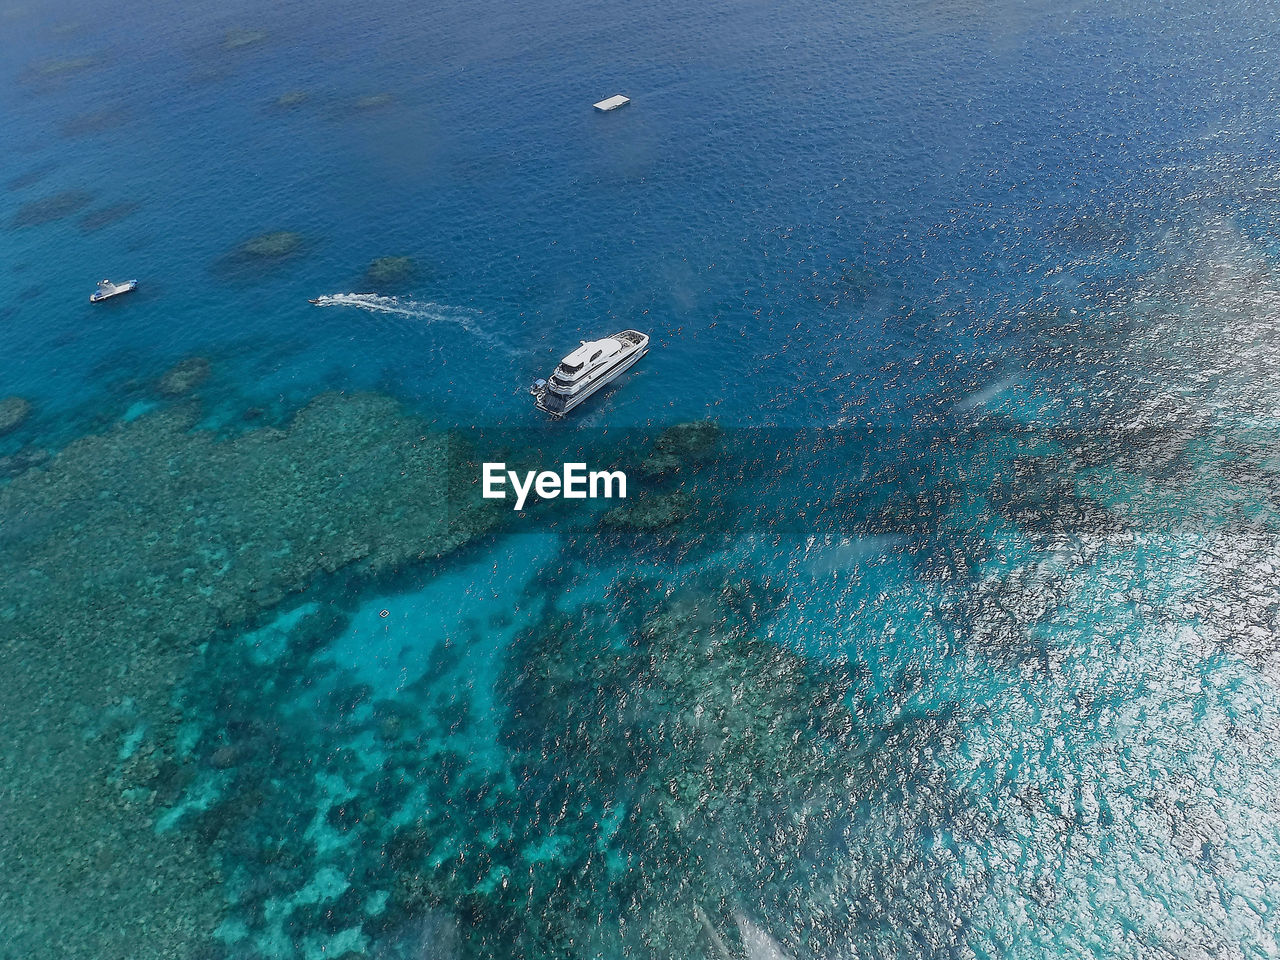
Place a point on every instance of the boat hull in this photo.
(562, 403)
(119, 289)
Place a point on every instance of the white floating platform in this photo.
(613, 103)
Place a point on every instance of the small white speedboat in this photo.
(583, 372)
(106, 290)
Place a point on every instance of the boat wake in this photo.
(426, 311)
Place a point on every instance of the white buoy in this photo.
(612, 103)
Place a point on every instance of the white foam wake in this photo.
(427, 311)
(401, 308)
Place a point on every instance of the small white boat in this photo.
(583, 372)
(106, 290)
(612, 103)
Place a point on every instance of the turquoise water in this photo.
(958, 637)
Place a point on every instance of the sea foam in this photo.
(428, 311)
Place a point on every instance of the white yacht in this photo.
(107, 289)
(587, 369)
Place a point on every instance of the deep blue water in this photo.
(1018, 257)
(951, 154)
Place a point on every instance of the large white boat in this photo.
(107, 289)
(587, 369)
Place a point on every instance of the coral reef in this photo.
(184, 377)
(661, 774)
(649, 512)
(680, 446)
(391, 273)
(706, 730)
(261, 254)
(119, 559)
(15, 463)
(13, 412)
(969, 734)
(49, 209)
(420, 824)
(31, 177)
(271, 246)
(106, 216)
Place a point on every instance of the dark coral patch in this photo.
(184, 377)
(88, 124)
(261, 254)
(47, 210)
(13, 411)
(391, 273)
(31, 177)
(106, 216)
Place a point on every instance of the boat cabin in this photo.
(587, 356)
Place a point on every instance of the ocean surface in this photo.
(943, 619)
